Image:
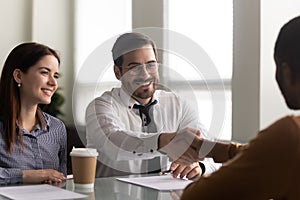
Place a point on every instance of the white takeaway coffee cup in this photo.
(84, 162)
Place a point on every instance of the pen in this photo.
(166, 172)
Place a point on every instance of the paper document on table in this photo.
(38, 192)
(163, 182)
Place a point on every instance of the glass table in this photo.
(112, 189)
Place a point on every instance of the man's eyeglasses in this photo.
(151, 68)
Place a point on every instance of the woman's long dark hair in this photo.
(21, 57)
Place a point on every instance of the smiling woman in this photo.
(39, 81)
(32, 143)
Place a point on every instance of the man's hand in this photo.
(42, 176)
(182, 147)
(191, 171)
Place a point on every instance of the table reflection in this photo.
(112, 189)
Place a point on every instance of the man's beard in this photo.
(144, 94)
(139, 92)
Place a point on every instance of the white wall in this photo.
(48, 22)
(273, 15)
(15, 23)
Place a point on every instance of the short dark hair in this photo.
(287, 45)
(129, 42)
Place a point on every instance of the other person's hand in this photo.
(182, 147)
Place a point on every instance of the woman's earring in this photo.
(19, 84)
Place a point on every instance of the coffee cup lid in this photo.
(84, 152)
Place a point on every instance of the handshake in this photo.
(185, 146)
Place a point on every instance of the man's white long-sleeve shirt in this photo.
(114, 128)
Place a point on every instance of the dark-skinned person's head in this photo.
(287, 59)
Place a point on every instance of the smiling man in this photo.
(133, 127)
(142, 76)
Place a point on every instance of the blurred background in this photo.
(238, 36)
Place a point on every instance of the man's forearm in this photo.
(219, 151)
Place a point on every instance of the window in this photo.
(209, 25)
(96, 25)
